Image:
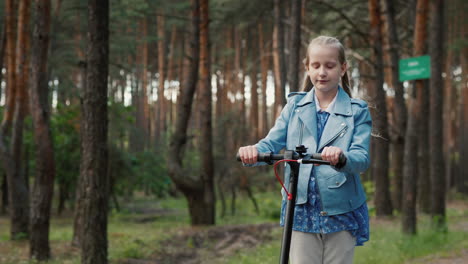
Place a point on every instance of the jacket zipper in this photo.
(301, 132)
(337, 135)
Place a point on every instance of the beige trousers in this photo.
(333, 248)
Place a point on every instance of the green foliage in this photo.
(65, 131)
(369, 188)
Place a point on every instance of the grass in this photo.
(387, 244)
(136, 235)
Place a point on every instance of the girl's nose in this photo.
(322, 71)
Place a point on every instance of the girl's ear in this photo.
(344, 68)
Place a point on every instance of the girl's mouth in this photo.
(322, 81)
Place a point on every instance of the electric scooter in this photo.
(294, 158)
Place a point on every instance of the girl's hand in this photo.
(248, 154)
(331, 154)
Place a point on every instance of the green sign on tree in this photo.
(415, 68)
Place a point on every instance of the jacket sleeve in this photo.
(357, 156)
(275, 141)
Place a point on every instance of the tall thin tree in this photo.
(295, 46)
(41, 201)
(206, 149)
(379, 167)
(10, 157)
(415, 107)
(435, 112)
(400, 111)
(93, 167)
(279, 61)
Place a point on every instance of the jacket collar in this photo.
(342, 104)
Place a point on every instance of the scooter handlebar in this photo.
(315, 158)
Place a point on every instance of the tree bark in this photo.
(279, 62)
(2, 54)
(461, 178)
(400, 111)
(3, 207)
(435, 122)
(10, 18)
(253, 115)
(10, 157)
(423, 183)
(410, 168)
(379, 167)
(161, 78)
(295, 46)
(41, 201)
(144, 104)
(462, 175)
(207, 171)
(263, 125)
(192, 187)
(94, 158)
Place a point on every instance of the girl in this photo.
(331, 215)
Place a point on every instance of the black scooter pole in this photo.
(291, 203)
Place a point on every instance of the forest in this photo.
(121, 120)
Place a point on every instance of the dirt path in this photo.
(460, 257)
(197, 245)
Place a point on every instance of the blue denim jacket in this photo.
(348, 127)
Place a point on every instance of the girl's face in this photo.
(324, 68)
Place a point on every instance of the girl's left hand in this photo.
(331, 154)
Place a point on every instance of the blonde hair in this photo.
(327, 41)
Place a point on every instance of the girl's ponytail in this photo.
(308, 85)
(345, 84)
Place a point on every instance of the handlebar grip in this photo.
(316, 156)
(341, 161)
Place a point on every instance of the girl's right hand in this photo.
(248, 154)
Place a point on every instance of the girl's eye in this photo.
(315, 65)
(330, 65)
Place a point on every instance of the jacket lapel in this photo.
(305, 111)
(308, 117)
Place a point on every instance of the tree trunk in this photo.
(93, 167)
(450, 100)
(161, 78)
(2, 54)
(295, 46)
(400, 111)
(254, 115)
(10, 18)
(192, 187)
(461, 178)
(379, 167)
(41, 201)
(144, 104)
(206, 152)
(462, 175)
(410, 168)
(423, 182)
(263, 125)
(4, 206)
(11, 158)
(435, 122)
(171, 70)
(279, 62)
